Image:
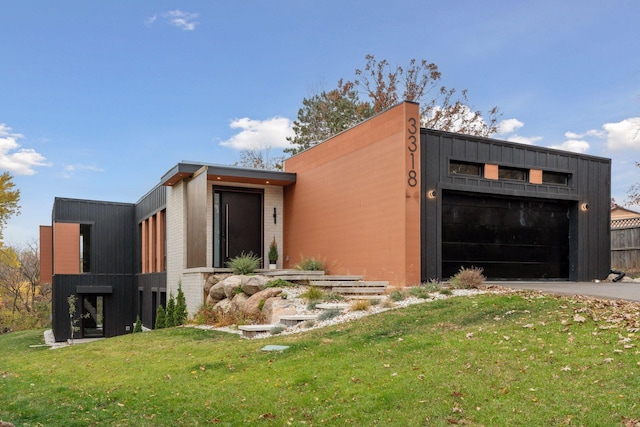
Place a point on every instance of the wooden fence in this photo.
(625, 244)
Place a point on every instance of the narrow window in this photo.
(558, 178)
(513, 174)
(85, 248)
(465, 168)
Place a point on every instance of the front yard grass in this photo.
(495, 359)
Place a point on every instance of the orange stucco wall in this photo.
(66, 248)
(356, 201)
(46, 254)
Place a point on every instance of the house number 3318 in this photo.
(412, 146)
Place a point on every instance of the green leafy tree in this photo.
(170, 317)
(160, 318)
(383, 86)
(9, 198)
(181, 307)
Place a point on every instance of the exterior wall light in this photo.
(432, 194)
(584, 207)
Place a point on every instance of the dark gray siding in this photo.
(152, 202)
(113, 246)
(589, 183)
(112, 232)
(150, 286)
(119, 305)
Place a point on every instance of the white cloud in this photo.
(150, 20)
(529, 140)
(70, 170)
(183, 20)
(21, 161)
(623, 135)
(573, 145)
(260, 134)
(506, 129)
(509, 125)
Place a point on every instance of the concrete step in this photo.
(294, 319)
(333, 306)
(371, 290)
(346, 282)
(250, 331)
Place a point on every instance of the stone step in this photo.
(359, 290)
(250, 331)
(348, 283)
(333, 306)
(293, 274)
(294, 319)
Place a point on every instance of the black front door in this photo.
(92, 316)
(237, 224)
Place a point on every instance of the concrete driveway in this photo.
(629, 291)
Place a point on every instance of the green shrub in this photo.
(170, 318)
(397, 295)
(181, 307)
(273, 251)
(160, 318)
(313, 293)
(277, 329)
(245, 263)
(308, 324)
(309, 264)
(446, 291)
(467, 278)
(422, 292)
(328, 314)
(279, 283)
(138, 326)
(334, 297)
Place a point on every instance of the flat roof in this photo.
(227, 174)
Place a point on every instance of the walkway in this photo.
(629, 291)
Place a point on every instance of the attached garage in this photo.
(509, 237)
(517, 211)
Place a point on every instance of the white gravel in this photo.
(346, 316)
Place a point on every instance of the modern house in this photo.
(386, 199)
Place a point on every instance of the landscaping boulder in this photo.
(231, 283)
(238, 302)
(252, 305)
(253, 284)
(224, 305)
(209, 282)
(275, 307)
(216, 292)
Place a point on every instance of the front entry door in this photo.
(238, 224)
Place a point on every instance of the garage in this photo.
(509, 237)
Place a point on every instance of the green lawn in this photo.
(488, 360)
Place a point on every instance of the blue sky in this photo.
(99, 99)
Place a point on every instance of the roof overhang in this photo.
(186, 170)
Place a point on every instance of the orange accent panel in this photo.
(491, 171)
(66, 248)
(151, 246)
(46, 254)
(160, 238)
(145, 250)
(352, 205)
(535, 176)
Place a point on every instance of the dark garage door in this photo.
(510, 238)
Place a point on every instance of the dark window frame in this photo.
(548, 177)
(457, 167)
(508, 173)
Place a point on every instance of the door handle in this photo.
(226, 227)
